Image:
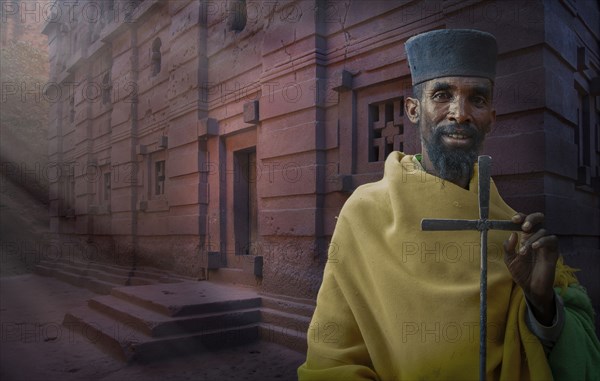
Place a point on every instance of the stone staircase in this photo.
(147, 323)
(101, 278)
(285, 320)
(147, 314)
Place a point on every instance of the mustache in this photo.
(457, 128)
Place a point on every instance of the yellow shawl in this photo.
(397, 303)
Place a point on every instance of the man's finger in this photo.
(518, 218)
(532, 239)
(548, 242)
(532, 220)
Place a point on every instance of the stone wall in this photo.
(311, 92)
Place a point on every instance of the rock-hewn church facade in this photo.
(219, 139)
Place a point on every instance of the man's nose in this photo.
(459, 111)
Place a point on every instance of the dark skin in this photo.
(468, 100)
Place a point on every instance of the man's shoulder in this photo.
(369, 195)
(380, 191)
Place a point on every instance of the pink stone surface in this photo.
(312, 143)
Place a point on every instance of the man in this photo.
(397, 303)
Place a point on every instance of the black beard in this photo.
(453, 164)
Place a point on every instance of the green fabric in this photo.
(576, 354)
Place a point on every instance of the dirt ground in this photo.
(34, 345)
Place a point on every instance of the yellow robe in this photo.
(398, 303)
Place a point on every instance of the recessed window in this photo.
(237, 15)
(106, 186)
(159, 177)
(156, 56)
(386, 129)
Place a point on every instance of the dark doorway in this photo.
(245, 202)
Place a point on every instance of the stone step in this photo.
(92, 284)
(285, 305)
(172, 346)
(156, 324)
(308, 301)
(104, 275)
(130, 344)
(101, 278)
(125, 271)
(106, 333)
(238, 276)
(288, 337)
(142, 271)
(188, 298)
(285, 319)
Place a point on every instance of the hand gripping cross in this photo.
(483, 224)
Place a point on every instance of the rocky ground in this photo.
(34, 345)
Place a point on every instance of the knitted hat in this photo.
(451, 53)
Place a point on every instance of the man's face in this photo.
(454, 115)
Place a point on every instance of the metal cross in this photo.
(483, 224)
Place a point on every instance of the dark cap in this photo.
(451, 53)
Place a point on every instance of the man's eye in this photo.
(442, 96)
(479, 101)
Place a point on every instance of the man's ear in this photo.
(411, 105)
